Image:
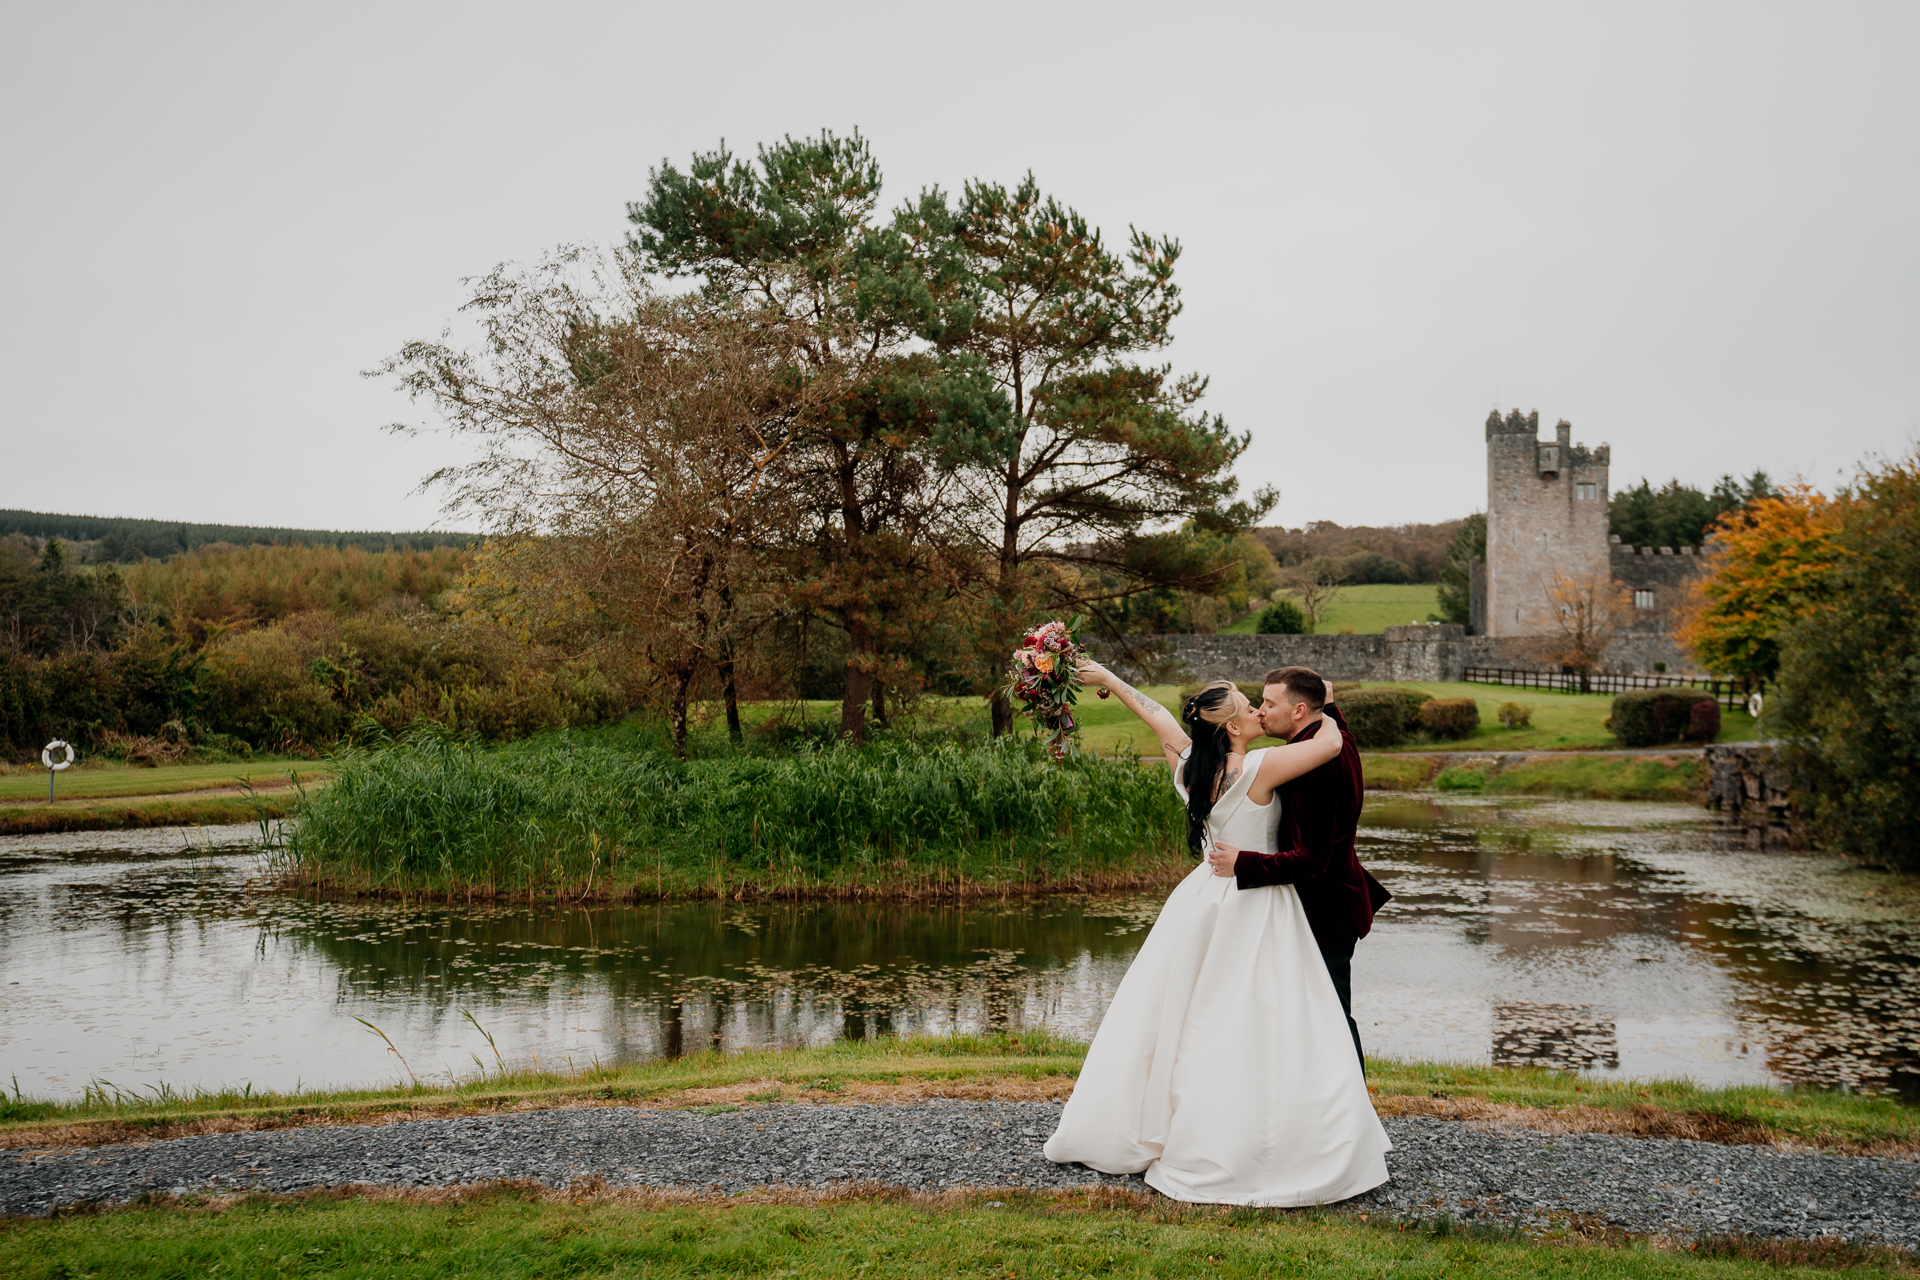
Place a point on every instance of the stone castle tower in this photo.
(1546, 521)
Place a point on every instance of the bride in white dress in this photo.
(1224, 1067)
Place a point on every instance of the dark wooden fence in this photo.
(1729, 693)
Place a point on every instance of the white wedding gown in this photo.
(1224, 1067)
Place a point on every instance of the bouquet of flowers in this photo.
(1045, 678)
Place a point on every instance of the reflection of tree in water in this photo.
(678, 978)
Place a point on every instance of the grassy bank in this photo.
(1028, 1065)
(98, 781)
(132, 815)
(124, 798)
(587, 1231)
(1675, 778)
(1681, 779)
(608, 816)
(592, 1230)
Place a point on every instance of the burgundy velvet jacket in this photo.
(1319, 814)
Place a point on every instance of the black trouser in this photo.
(1339, 958)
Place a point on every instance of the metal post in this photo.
(53, 768)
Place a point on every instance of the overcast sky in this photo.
(1689, 228)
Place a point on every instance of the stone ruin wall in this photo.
(1424, 653)
(1666, 573)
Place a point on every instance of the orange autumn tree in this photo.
(1771, 563)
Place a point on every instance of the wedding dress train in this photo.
(1224, 1067)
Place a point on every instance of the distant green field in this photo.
(1368, 610)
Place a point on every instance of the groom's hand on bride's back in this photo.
(1222, 857)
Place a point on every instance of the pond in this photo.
(1642, 940)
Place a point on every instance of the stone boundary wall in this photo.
(1427, 653)
(1746, 781)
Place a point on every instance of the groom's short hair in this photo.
(1301, 684)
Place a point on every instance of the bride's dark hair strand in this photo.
(1205, 715)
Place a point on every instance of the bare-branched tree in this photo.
(1587, 613)
(647, 440)
(1315, 584)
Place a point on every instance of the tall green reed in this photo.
(573, 814)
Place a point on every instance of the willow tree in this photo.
(640, 444)
(794, 235)
(1100, 448)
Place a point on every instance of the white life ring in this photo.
(46, 755)
(1753, 705)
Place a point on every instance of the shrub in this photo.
(1415, 699)
(1450, 717)
(1703, 721)
(1514, 715)
(1460, 778)
(1377, 717)
(1649, 717)
(1281, 618)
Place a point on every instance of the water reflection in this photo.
(1631, 938)
(1638, 938)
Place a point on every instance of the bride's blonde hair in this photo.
(1206, 715)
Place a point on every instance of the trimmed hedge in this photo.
(1649, 717)
(1377, 717)
(1450, 717)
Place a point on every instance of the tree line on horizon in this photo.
(123, 540)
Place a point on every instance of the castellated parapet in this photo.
(1546, 523)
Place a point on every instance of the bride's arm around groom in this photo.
(1227, 713)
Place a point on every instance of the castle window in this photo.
(1586, 490)
(1643, 599)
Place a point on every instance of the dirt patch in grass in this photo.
(1643, 1121)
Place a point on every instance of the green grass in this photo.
(1561, 721)
(1601, 778)
(1367, 610)
(96, 781)
(1585, 777)
(1814, 1117)
(129, 814)
(607, 814)
(1010, 1235)
(1396, 773)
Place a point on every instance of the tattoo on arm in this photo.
(1141, 700)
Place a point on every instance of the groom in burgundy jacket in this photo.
(1319, 815)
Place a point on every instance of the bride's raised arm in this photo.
(1283, 764)
(1173, 739)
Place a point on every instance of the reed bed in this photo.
(602, 816)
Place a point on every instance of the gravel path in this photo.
(1643, 1185)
